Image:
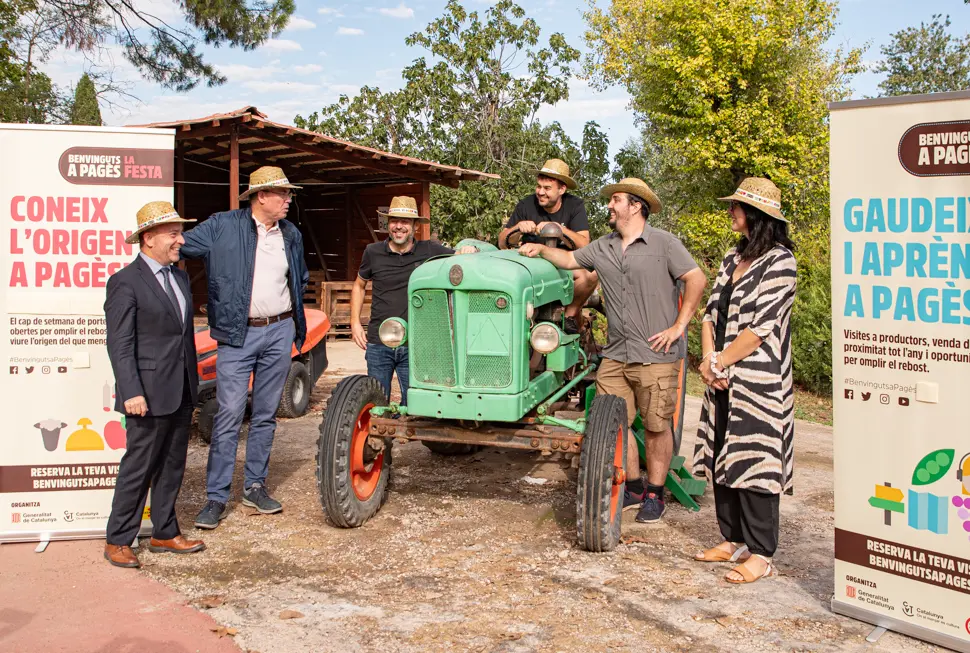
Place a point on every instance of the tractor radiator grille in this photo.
(491, 371)
(431, 341)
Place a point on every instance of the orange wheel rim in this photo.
(619, 475)
(364, 477)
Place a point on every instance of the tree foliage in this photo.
(84, 109)
(472, 102)
(925, 59)
(166, 54)
(725, 89)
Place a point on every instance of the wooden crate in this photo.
(334, 299)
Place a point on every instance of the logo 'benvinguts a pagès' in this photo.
(117, 166)
(936, 149)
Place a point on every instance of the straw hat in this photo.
(636, 187)
(402, 206)
(558, 170)
(152, 215)
(759, 193)
(266, 178)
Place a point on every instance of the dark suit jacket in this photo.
(151, 347)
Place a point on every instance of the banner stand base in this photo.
(876, 633)
(896, 625)
(42, 544)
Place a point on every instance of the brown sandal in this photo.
(715, 554)
(749, 577)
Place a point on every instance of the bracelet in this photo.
(704, 358)
(721, 374)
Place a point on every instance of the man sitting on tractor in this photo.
(639, 267)
(389, 264)
(551, 203)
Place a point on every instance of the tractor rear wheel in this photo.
(351, 477)
(599, 489)
(451, 448)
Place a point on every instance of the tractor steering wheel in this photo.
(551, 235)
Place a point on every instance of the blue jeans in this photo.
(382, 362)
(266, 355)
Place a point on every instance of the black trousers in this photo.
(157, 447)
(743, 515)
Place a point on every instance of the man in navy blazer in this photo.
(151, 344)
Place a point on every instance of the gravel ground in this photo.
(467, 556)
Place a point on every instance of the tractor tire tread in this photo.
(595, 531)
(333, 453)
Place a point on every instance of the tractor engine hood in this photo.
(524, 279)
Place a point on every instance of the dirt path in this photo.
(466, 556)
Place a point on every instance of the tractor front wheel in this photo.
(599, 491)
(351, 476)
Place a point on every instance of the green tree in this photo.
(472, 103)
(84, 109)
(162, 53)
(925, 59)
(727, 89)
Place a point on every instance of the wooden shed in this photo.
(344, 184)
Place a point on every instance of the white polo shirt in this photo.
(271, 293)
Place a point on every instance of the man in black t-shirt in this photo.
(388, 264)
(551, 203)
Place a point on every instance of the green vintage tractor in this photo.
(490, 365)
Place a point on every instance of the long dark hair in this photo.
(764, 232)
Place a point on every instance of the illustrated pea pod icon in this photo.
(933, 467)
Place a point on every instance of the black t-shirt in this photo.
(390, 273)
(572, 215)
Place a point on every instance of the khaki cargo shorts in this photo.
(651, 389)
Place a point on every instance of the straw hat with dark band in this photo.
(759, 193)
(267, 178)
(152, 215)
(558, 170)
(402, 206)
(636, 187)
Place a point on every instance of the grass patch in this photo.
(808, 406)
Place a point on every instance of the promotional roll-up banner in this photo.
(900, 202)
(68, 199)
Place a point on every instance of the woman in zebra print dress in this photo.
(745, 440)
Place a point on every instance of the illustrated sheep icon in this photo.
(50, 430)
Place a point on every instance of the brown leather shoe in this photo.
(177, 544)
(121, 556)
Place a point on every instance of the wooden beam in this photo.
(179, 178)
(347, 154)
(234, 168)
(201, 132)
(316, 247)
(363, 217)
(350, 238)
(423, 232)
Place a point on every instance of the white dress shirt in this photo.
(271, 292)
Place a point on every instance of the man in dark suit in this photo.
(151, 344)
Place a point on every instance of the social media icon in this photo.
(904, 401)
(46, 369)
(866, 396)
(884, 400)
(14, 369)
(850, 394)
(62, 370)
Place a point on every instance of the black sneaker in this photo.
(632, 500)
(652, 510)
(257, 497)
(570, 326)
(211, 514)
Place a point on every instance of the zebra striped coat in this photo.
(758, 451)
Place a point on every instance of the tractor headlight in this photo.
(545, 338)
(393, 332)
